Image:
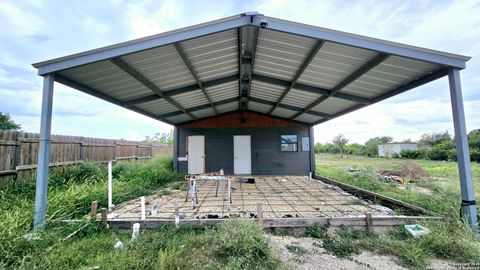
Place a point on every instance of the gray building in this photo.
(245, 143)
(390, 149)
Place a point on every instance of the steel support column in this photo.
(43, 153)
(175, 149)
(469, 207)
(312, 149)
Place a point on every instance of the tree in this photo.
(6, 122)
(371, 146)
(162, 138)
(474, 143)
(428, 140)
(340, 141)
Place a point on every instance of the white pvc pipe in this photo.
(310, 175)
(110, 204)
(229, 193)
(142, 205)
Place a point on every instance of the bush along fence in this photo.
(19, 152)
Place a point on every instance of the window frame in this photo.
(295, 144)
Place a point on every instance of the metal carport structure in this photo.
(251, 62)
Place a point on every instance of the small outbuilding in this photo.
(244, 92)
(391, 149)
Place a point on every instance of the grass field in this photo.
(439, 192)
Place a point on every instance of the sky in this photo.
(35, 30)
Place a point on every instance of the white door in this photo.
(196, 154)
(242, 155)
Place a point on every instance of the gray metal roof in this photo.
(285, 69)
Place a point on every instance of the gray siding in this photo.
(267, 159)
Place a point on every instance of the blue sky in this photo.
(32, 31)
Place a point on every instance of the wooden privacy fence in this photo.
(19, 152)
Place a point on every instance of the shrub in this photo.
(411, 154)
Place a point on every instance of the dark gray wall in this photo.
(267, 159)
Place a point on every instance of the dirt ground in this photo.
(316, 257)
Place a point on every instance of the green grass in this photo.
(236, 244)
(345, 242)
(296, 249)
(442, 180)
(71, 191)
(449, 239)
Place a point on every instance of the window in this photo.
(288, 143)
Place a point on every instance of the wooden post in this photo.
(259, 211)
(104, 217)
(93, 210)
(17, 156)
(368, 218)
(142, 207)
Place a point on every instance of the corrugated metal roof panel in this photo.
(333, 63)
(333, 105)
(204, 113)
(223, 91)
(284, 113)
(258, 107)
(280, 55)
(299, 98)
(266, 91)
(308, 118)
(191, 99)
(163, 66)
(179, 118)
(213, 56)
(229, 107)
(107, 78)
(392, 73)
(157, 107)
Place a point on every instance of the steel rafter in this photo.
(306, 63)
(147, 83)
(351, 78)
(187, 62)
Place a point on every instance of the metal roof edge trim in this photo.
(375, 44)
(144, 43)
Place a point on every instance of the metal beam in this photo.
(351, 78)
(44, 153)
(198, 108)
(413, 84)
(187, 62)
(83, 88)
(248, 37)
(289, 107)
(309, 88)
(182, 90)
(147, 83)
(300, 71)
(469, 205)
(142, 44)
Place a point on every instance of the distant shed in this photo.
(390, 149)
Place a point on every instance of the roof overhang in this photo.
(250, 62)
